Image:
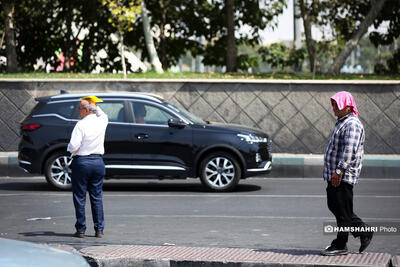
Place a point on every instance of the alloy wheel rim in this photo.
(60, 170)
(219, 172)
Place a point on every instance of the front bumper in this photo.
(264, 168)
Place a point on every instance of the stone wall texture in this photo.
(297, 115)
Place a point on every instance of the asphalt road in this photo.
(270, 213)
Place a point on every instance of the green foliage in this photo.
(180, 20)
(191, 75)
(392, 65)
(253, 14)
(390, 13)
(296, 56)
(279, 56)
(188, 21)
(276, 55)
(343, 17)
(246, 62)
(326, 51)
(123, 13)
(45, 27)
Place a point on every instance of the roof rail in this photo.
(115, 94)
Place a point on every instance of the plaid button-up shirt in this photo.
(345, 149)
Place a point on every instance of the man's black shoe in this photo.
(365, 241)
(332, 251)
(79, 234)
(99, 234)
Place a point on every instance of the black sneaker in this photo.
(365, 241)
(332, 251)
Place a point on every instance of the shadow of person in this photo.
(46, 233)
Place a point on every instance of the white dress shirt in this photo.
(88, 135)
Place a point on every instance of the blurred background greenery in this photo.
(198, 39)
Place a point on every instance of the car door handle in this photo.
(142, 136)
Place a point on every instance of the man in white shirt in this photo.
(88, 170)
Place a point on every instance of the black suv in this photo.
(146, 137)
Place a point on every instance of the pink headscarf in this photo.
(344, 99)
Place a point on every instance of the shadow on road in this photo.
(47, 233)
(168, 187)
(26, 186)
(124, 186)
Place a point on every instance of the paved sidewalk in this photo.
(165, 256)
(396, 261)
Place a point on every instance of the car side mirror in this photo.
(176, 123)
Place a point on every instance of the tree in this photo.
(175, 23)
(123, 16)
(43, 31)
(154, 60)
(375, 7)
(390, 13)
(231, 52)
(347, 20)
(309, 12)
(9, 11)
(218, 16)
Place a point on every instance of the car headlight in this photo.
(251, 138)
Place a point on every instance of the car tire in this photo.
(220, 172)
(58, 171)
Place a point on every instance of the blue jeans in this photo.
(88, 175)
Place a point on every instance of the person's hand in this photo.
(336, 179)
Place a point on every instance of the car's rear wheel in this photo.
(57, 170)
(220, 172)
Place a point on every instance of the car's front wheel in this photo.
(57, 170)
(220, 172)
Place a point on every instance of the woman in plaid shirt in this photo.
(342, 167)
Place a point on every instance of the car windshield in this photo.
(183, 112)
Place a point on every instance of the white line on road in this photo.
(233, 217)
(42, 194)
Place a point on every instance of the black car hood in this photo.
(238, 127)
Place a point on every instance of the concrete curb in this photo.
(168, 256)
(396, 261)
(304, 165)
(283, 165)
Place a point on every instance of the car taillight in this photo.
(29, 126)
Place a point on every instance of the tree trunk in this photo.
(11, 50)
(68, 42)
(310, 43)
(231, 58)
(163, 43)
(154, 60)
(123, 54)
(376, 7)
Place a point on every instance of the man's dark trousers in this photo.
(88, 175)
(340, 203)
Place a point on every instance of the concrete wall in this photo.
(296, 114)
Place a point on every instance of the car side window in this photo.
(114, 110)
(148, 114)
(64, 109)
